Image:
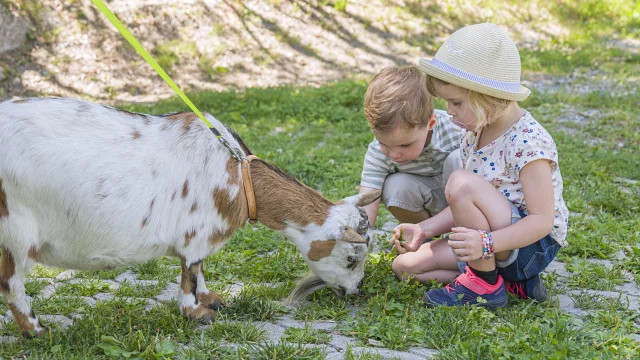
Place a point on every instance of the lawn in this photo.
(319, 135)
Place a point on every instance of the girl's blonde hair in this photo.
(486, 108)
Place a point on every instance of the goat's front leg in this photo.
(12, 280)
(196, 301)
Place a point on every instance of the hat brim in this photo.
(429, 69)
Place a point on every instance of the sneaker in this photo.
(469, 289)
(528, 289)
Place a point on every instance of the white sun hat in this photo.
(481, 58)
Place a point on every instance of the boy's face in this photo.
(403, 144)
(457, 105)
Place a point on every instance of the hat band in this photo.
(513, 87)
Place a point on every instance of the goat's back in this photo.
(95, 187)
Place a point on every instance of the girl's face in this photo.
(401, 143)
(457, 105)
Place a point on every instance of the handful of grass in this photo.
(401, 238)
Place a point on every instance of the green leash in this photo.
(145, 55)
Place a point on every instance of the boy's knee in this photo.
(400, 190)
(396, 184)
(404, 266)
(398, 266)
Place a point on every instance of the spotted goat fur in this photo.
(89, 187)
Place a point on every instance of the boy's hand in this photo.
(407, 237)
(466, 244)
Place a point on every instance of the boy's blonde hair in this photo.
(486, 108)
(398, 94)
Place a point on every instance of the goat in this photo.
(89, 187)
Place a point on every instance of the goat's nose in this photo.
(360, 284)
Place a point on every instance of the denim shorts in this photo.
(526, 262)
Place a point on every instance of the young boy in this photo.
(412, 145)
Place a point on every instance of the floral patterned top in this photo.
(500, 162)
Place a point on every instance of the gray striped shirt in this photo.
(446, 138)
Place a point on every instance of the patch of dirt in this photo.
(232, 44)
(583, 82)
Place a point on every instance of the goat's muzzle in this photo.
(340, 291)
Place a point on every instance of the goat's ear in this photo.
(368, 198)
(361, 199)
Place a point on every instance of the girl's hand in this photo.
(466, 244)
(407, 237)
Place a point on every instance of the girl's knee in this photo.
(460, 184)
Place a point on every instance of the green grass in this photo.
(83, 288)
(319, 135)
(285, 350)
(99, 275)
(157, 268)
(257, 248)
(306, 335)
(34, 287)
(60, 305)
(592, 25)
(608, 312)
(323, 307)
(588, 301)
(632, 260)
(236, 332)
(363, 355)
(271, 291)
(127, 289)
(44, 272)
(586, 275)
(250, 306)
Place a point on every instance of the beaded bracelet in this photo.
(487, 244)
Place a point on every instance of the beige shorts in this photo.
(415, 192)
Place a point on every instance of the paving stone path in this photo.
(629, 293)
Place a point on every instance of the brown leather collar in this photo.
(248, 188)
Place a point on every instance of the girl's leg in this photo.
(433, 261)
(476, 204)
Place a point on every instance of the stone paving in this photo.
(628, 292)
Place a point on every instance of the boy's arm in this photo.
(371, 209)
(439, 224)
(416, 234)
(375, 168)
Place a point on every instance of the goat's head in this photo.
(336, 250)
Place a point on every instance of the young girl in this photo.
(506, 212)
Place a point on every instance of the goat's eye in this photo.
(351, 259)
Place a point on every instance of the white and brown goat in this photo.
(85, 186)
